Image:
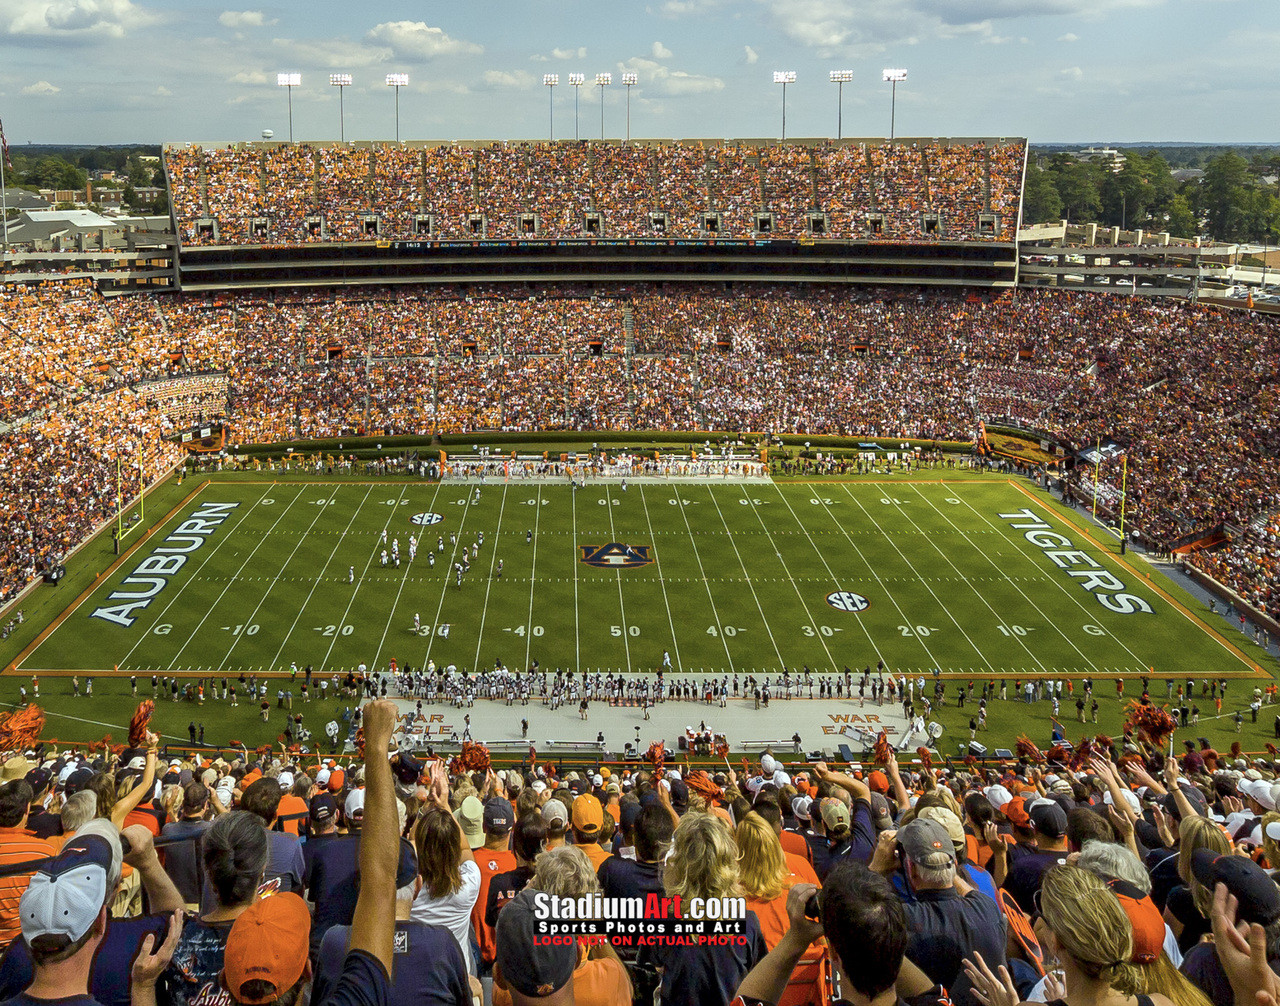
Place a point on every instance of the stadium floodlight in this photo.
(603, 80)
(397, 80)
(840, 78)
(784, 77)
(549, 81)
(576, 80)
(629, 81)
(340, 80)
(893, 77)
(289, 81)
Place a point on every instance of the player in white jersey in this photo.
(417, 622)
(384, 557)
(351, 574)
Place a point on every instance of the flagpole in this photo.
(4, 196)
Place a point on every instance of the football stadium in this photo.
(633, 571)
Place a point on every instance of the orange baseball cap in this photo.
(587, 815)
(269, 942)
(878, 781)
(337, 779)
(1016, 812)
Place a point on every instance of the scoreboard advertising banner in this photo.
(646, 921)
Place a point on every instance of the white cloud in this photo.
(664, 80)
(750, 55)
(420, 40)
(41, 87)
(508, 78)
(680, 8)
(71, 18)
(1071, 73)
(244, 19)
(162, 92)
(578, 53)
(250, 77)
(1069, 37)
(660, 51)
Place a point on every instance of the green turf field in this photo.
(726, 577)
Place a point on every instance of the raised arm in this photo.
(899, 790)
(373, 926)
(856, 787)
(162, 894)
(129, 802)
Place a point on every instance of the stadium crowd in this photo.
(302, 193)
(1115, 875)
(1178, 387)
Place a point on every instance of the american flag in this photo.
(4, 147)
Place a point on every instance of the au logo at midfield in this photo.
(616, 555)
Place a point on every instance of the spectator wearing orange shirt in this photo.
(16, 846)
(493, 857)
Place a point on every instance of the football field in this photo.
(984, 577)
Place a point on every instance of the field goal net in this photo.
(723, 464)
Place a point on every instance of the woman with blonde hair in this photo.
(766, 880)
(1188, 905)
(704, 865)
(1083, 925)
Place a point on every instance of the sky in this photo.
(119, 71)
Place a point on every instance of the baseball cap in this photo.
(322, 777)
(1049, 819)
(768, 764)
(65, 897)
(531, 964)
(1129, 796)
(679, 795)
(947, 818)
(470, 817)
(878, 782)
(1016, 812)
(268, 942)
(77, 780)
(629, 814)
(1145, 918)
(800, 807)
(323, 808)
(498, 816)
(998, 796)
(354, 806)
(554, 812)
(1257, 893)
(285, 779)
(588, 815)
(834, 813)
(39, 778)
(337, 779)
(927, 843)
(1258, 790)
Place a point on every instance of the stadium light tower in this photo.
(289, 80)
(629, 81)
(603, 80)
(577, 80)
(784, 77)
(397, 80)
(341, 80)
(550, 80)
(840, 78)
(892, 77)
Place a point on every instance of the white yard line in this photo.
(320, 512)
(391, 614)
(626, 635)
(675, 639)
(209, 610)
(193, 576)
(577, 638)
(924, 582)
(338, 544)
(449, 571)
(1000, 621)
(493, 560)
(1030, 557)
(817, 629)
(838, 583)
(1050, 620)
(764, 620)
(693, 541)
(533, 579)
(337, 632)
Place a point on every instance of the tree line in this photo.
(1233, 201)
(51, 167)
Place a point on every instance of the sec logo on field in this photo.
(847, 600)
(426, 518)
